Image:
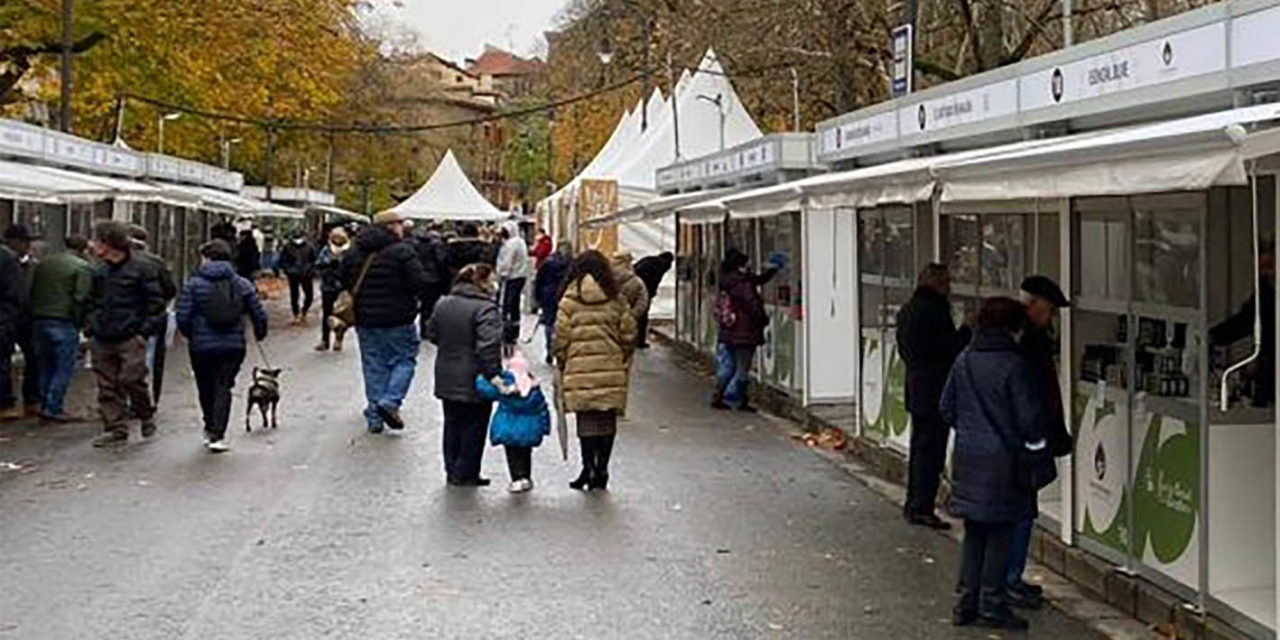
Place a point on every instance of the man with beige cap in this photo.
(385, 279)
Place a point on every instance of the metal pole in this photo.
(1068, 31)
(675, 114)
(160, 138)
(795, 100)
(271, 152)
(329, 168)
(720, 107)
(119, 120)
(648, 80)
(67, 45)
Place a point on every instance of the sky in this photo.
(458, 29)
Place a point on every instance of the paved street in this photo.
(716, 526)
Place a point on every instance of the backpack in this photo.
(725, 314)
(223, 307)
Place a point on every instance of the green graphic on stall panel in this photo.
(1166, 497)
(1102, 467)
(884, 383)
(872, 385)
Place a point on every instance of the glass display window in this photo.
(687, 267)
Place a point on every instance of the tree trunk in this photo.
(991, 39)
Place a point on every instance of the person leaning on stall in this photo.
(60, 289)
(595, 338)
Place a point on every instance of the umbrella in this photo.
(562, 422)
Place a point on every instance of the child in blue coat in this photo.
(519, 425)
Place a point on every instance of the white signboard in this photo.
(867, 131)
(1253, 38)
(1179, 56)
(966, 107)
(20, 139)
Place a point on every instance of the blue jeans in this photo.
(56, 343)
(733, 371)
(1019, 547)
(389, 356)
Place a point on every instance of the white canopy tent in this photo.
(449, 195)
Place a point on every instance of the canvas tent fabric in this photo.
(448, 195)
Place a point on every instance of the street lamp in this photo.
(161, 120)
(226, 152)
(605, 52)
(718, 101)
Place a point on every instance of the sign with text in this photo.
(903, 61)
(966, 107)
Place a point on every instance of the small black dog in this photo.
(264, 393)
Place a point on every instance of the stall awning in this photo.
(232, 203)
(339, 211)
(659, 208)
(706, 212)
(1188, 154)
(51, 184)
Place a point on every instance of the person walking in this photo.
(595, 339)
(928, 342)
(542, 249)
(992, 401)
(547, 286)
(1042, 299)
(651, 270)
(329, 268)
(157, 345)
(211, 317)
(248, 257)
(385, 279)
(126, 300)
(13, 304)
(298, 261)
(60, 289)
(741, 320)
(521, 421)
(513, 272)
(467, 249)
(18, 239)
(434, 256)
(467, 330)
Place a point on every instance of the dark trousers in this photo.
(158, 353)
(984, 564)
(642, 333)
(327, 300)
(427, 305)
(1019, 548)
(121, 369)
(300, 284)
(511, 290)
(596, 451)
(30, 369)
(465, 427)
(519, 462)
(926, 461)
(215, 378)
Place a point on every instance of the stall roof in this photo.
(228, 202)
(660, 207)
(35, 182)
(1179, 155)
(448, 195)
(339, 211)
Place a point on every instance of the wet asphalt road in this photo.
(716, 526)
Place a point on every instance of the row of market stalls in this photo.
(1137, 170)
(58, 184)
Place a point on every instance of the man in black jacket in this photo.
(13, 302)
(126, 301)
(467, 249)
(156, 347)
(386, 280)
(434, 256)
(651, 271)
(18, 239)
(928, 342)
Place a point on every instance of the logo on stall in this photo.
(1100, 463)
(922, 116)
(1166, 54)
(1057, 85)
(839, 137)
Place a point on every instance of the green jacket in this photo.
(60, 288)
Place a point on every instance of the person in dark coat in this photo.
(247, 256)
(1240, 326)
(433, 253)
(329, 268)
(547, 286)
(467, 331)
(928, 342)
(1042, 298)
(651, 271)
(993, 402)
(468, 249)
(741, 320)
(217, 351)
(386, 304)
(18, 240)
(13, 303)
(156, 345)
(298, 262)
(126, 300)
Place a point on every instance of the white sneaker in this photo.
(217, 446)
(520, 486)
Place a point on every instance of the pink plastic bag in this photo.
(519, 367)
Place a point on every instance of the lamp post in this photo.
(226, 152)
(605, 52)
(718, 101)
(160, 121)
(67, 45)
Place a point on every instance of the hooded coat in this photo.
(751, 319)
(195, 327)
(992, 391)
(595, 338)
(466, 327)
(631, 288)
(389, 295)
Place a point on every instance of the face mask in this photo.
(297, 241)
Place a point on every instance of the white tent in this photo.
(448, 195)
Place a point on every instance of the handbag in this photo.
(1033, 469)
(344, 308)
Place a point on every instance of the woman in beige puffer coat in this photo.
(594, 339)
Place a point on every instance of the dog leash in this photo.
(262, 353)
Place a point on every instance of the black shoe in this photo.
(928, 520)
(1027, 587)
(961, 617)
(582, 483)
(719, 405)
(643, 345)
(1021, 597)
(746, 408)
(473, 482)
(148, 428)
(111, 439)
(599, 483)
(1002, 620)
(390, 416)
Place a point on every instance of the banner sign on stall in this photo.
(903, 60)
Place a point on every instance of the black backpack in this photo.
(223, 307)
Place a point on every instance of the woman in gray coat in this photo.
(467, 331)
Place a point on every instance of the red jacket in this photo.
(748, 308)
(541, 251)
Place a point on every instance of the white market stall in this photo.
(449, 195)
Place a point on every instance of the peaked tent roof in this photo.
(448, 195)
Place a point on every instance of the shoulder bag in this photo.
(344, 308)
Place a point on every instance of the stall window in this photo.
(689, 240)
(887, 264)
